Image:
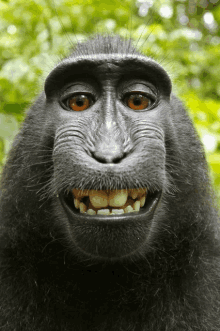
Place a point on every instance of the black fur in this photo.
(170, 283)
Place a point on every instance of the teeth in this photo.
(117, 211)
(76, 203)
(137, 192)
(98, 199)
(82, 207)
(103, 212)
(142, 201)
(137, 205)
(118, 198)
(91, 212)
(95, 202)
(128, 209)
(134, 194)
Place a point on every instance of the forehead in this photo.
(128, 65)
(94, 63)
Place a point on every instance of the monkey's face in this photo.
(109, 113)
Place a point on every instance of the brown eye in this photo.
(138, 101)
(79, 102)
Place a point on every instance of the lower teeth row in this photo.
(128, 209)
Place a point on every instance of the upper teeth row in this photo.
(115, 198)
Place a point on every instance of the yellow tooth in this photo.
(99, 199)
(91, 212)
(128, 209)
(137, 205)
(118, 198)
(82, 207)
(76, 203)
(103, 212)
(134, 194)
(142, 201)
(117, 211)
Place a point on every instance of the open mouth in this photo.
(110, 223)
(111, 202)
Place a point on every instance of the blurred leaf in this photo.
(214, 161)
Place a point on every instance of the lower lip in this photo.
(111, 237)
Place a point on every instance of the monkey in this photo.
(108, 216)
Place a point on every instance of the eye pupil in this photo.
(80, 101)
(137, 101)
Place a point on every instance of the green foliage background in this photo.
(184, 36)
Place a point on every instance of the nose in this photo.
(108, 152)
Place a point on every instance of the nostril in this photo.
(108, 158)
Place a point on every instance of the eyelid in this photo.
(80, 88)
(89, 95)
(143, 87)
(73, 94)
(147, 94)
